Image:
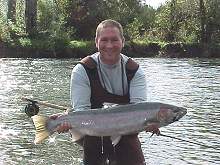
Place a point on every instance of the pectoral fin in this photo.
(76, 135)
(115, 140)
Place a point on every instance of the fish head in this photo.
(169, 114)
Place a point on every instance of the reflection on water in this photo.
(191, 83)
(194, 84)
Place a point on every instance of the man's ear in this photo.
(123, 41)
(96, 42)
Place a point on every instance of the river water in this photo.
(191, 83)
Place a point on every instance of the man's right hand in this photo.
(62, 128)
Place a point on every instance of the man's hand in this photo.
(154, 128)
(62, 128)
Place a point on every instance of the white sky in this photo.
(154, 3)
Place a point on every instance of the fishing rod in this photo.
(32, 108)
(160, 134)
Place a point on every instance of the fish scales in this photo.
(114, 121)
(111, 123)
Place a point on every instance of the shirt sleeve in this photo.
(80, 91)
(138, 87)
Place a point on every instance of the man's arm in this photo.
(80, 91)
(138, 87)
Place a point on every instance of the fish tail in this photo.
(42, 132)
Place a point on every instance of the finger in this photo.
(156, 131)
(53, 117)
(64, 127)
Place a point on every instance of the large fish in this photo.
(114, 121)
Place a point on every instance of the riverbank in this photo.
(132, 49)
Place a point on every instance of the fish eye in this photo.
(175, 118)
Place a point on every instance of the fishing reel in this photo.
(31, 109)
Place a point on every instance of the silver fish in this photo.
(114, 121)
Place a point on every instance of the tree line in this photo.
(61, 21)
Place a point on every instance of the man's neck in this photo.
(110, 61)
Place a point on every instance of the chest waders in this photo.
(99, 150)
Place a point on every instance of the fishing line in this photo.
(102, 144)
(188, 141)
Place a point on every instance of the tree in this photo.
(179, 20)
(173, 21)
(168, 19)
(213, 21)
(11, 14)
(86, 14)
(31, 16)
(203, 22)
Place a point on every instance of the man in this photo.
(108, 77)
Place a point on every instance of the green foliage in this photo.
(51, 25)
(34, 43)
(61, 23)
(85, 15)
(78, 44)
(46, 15)
(24, 42)
(124, 10)
(147, 17)
(146, 43)
(51, 19)
(84, 47)
(16, 30)
(178, 21)
(9, 30)
(187, 35)
(213, 21)
(4, 31)
(141, 26)
(132, 30)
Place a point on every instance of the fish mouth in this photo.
(180, 112)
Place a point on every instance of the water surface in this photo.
(191, 83)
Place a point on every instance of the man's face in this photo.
(109, 43)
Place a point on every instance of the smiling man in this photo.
(108, 76)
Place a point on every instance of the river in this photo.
(191, 83)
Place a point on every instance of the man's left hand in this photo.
(154, 129)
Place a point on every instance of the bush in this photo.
(82, 47)
(4, 31)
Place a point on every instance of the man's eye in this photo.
(104, 40)
(115, 40)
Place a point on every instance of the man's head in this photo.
(109, 23)
(109, 41)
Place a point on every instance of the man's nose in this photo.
(109, 44)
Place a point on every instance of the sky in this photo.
(154, 3)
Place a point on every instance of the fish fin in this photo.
(115, 140)
(76, 135)
(41, 129)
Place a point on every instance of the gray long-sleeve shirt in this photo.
(80, 91)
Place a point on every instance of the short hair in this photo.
(109, 23)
